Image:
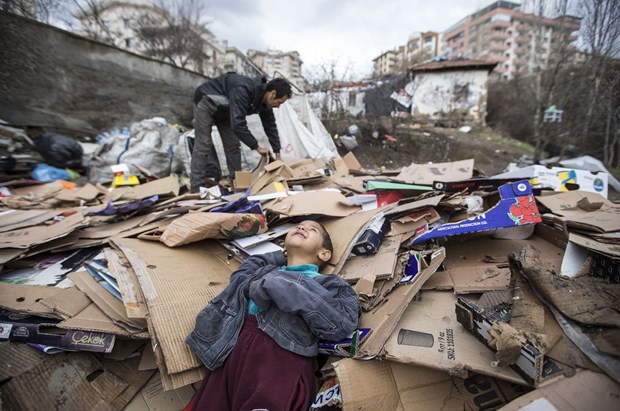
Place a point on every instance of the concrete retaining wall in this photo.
(67, 83)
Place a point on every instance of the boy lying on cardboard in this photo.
(259, 335)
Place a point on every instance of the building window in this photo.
(352, 96)
(128, 42)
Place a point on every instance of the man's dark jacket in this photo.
(236, 97)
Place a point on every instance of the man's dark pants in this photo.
(204, 162)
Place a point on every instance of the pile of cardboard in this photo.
(476, 292)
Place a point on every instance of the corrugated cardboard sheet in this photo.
(429, 335)
(177, 284)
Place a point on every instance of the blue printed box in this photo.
(516, 207)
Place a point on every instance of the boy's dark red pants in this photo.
(258, 374)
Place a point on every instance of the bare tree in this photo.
(41, 10)
(327, 77)
(601, 33)
(177, 35)
(544, 68)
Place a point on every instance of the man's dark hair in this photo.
(281, 86)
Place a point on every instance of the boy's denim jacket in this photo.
(297, 310)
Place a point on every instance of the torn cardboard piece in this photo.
(387, 385)
(76, 381)
(205, 272)
(86, 193)
(592, 301)
(586, 390)
(128, 283)
(153, 398)
(110, 305)
(480, 264)
(344, 232)
(164, 187)
(571, 206)
(27, 237)
(428, 173)
(381, 265)
(14, 219)
(326, 203)
(68, 302)
(428, 334)
(22, 298)
(93, 319)
(198, 226)
(276, 171)
(383, 319)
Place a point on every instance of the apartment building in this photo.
(391, 61)
(421, 46)
(287, 63)
(519, 42)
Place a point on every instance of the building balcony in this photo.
(499, 35)
(500, 69)
(499, 23)
(523, 38)
(522, 50)
(519, 62)
(498, 47)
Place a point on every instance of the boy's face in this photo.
(306, 239)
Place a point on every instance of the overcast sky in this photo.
(351, 32)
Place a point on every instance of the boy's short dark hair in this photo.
(281, 86)
(327, 242)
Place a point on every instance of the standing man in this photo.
(225, 101)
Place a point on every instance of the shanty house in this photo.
(450, 93)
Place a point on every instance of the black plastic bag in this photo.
(59, 151)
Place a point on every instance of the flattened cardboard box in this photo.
(152, 398)
(164, 187)
(428, 334)
(381, 264)
(480, 264)
(327, 203)
(175, 293)
(74, 381)
(14, 219)
(110, 305)
(383, 319)
(586, 390)
(27, 237)
(387, 385)
(43, 301)
(428, 173)
(573, 208)
(25, 328)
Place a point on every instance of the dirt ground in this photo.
(490, 151)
